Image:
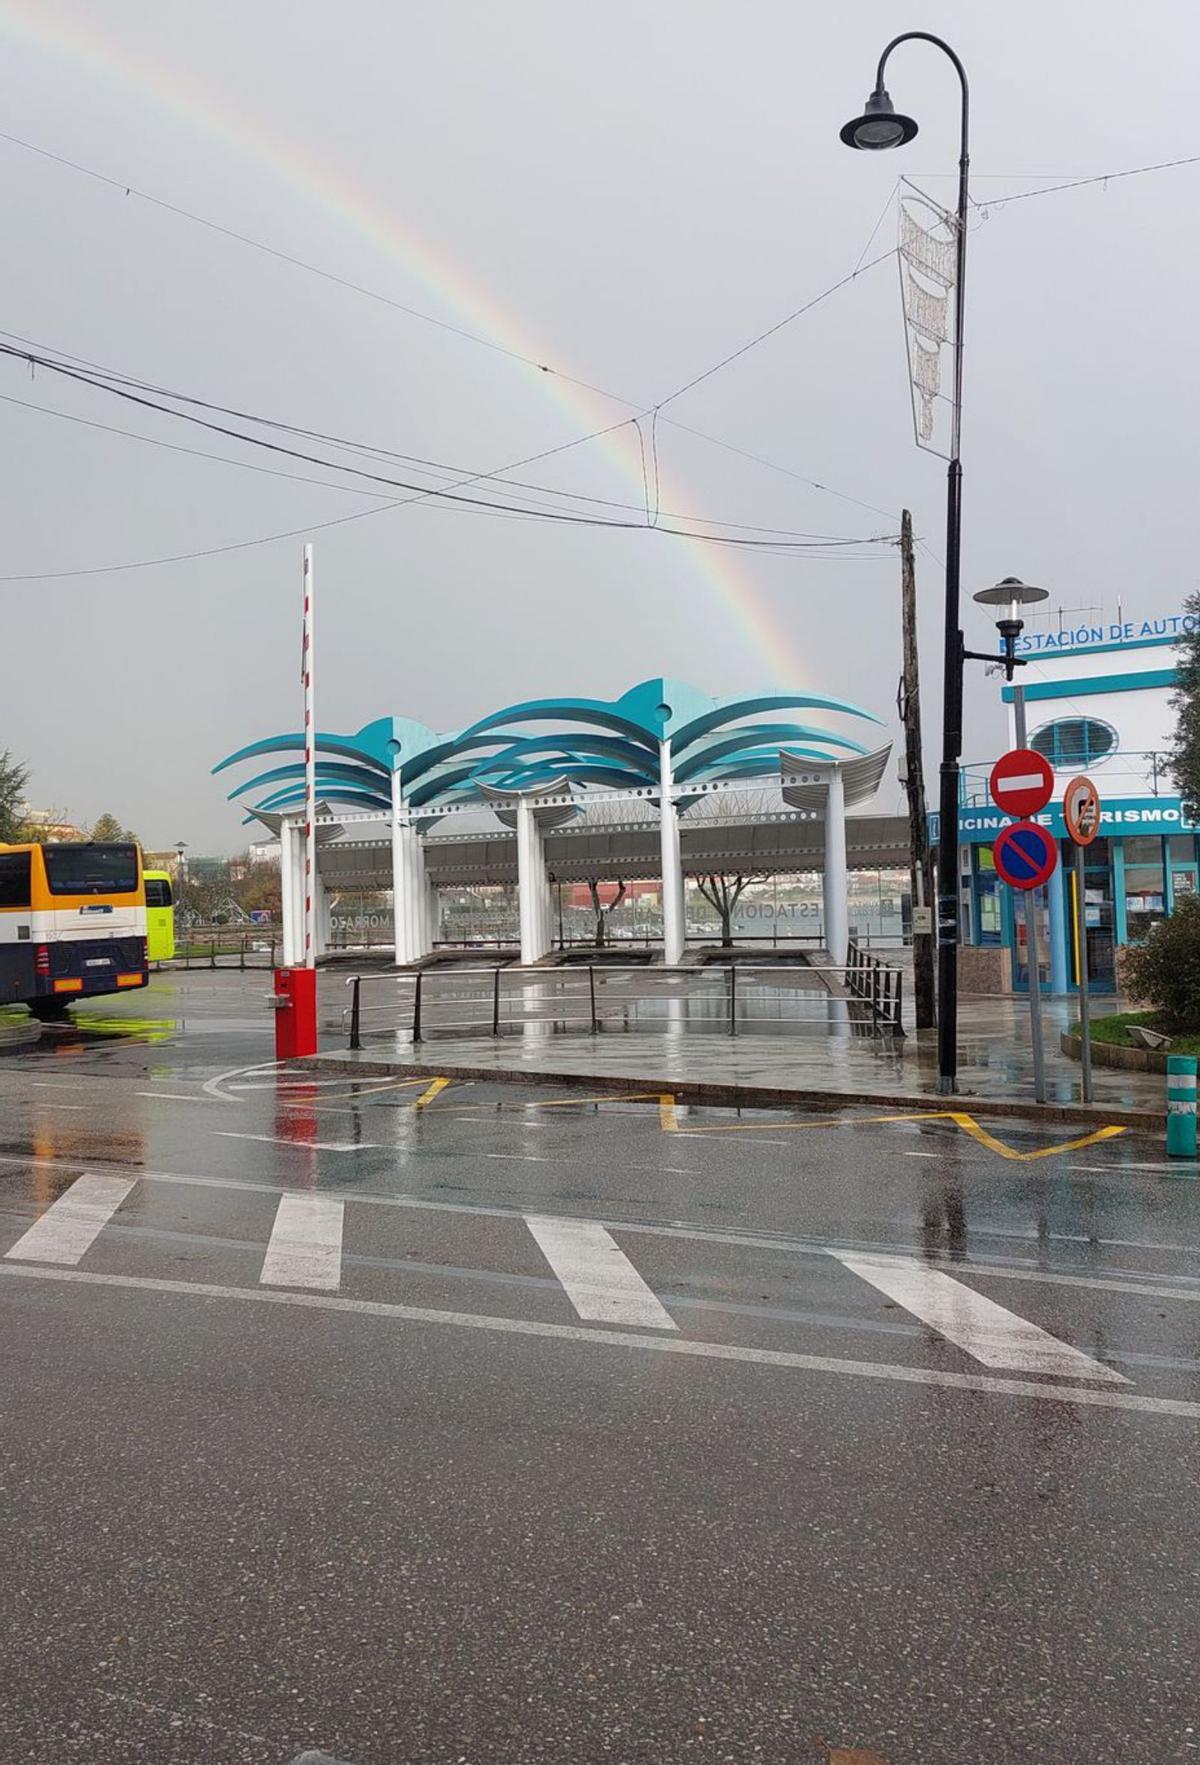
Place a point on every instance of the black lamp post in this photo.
(880, 127)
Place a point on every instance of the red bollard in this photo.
(295, 1004)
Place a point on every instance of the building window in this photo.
(1075, 741)
(1144, 894)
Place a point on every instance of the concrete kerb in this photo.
(741, 1096)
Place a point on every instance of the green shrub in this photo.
(1165, 970)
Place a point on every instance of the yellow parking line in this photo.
(566, 1102)
(970, 1126)
(434, 1089)
(668, 1118)
(670, 1122)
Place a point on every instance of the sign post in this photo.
(1022, 783)
(1081, 812)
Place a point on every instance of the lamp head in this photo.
(880, 126)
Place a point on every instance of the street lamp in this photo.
(881, 126)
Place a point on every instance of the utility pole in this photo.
(909, 706)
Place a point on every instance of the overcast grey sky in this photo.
(625, 193)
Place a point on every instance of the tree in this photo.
(13, 779)
(1165, 969)
(108, 828)
(1183, 757)
(602, 912)
(723, 892)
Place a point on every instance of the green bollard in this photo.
(1181, 1106)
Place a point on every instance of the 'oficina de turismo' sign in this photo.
(1129, 631)
(1126, 815)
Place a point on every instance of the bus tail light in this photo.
(41, 959)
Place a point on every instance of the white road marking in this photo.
(212, 1087)
(73, 1222)
(910, 1154)
(308, 1145)
(972, 1322)
(1143, 1286)
(719, 1351)
(176, 1096)
(1183, 1167)
(306, 1243)
(599, 1279)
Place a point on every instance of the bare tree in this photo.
(723, 892)
(602, 912)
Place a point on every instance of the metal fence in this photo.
(222, 946)
(730, 999)
(877, 983)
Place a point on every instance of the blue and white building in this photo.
(1097, 700)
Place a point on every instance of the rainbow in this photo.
(350, 204)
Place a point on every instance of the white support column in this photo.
(837, 912)
(432, 913)
(672, 863)
(322, 919)
(291, 888)
(409, 899)
(533, 889)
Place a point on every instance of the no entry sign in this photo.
(1025, 855)
(1022, 782)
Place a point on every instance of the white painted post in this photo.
(672, 862)
(837, 912)
(310, 773)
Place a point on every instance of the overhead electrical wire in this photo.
(453, 494)
(462, 332)
(121, 386)
(430, 467)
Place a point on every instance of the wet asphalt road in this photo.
(679, 1468)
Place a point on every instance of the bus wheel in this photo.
(49, 1010)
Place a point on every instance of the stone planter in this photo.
(1113, 1054)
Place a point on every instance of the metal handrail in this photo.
(874, 985)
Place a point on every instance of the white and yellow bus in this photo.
(72, 923)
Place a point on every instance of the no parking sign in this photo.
(1025, 855)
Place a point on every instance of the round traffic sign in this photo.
(1081, 810)
(1022, 782)
(1025, 855)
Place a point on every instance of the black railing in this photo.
(222, 947)
(733, 998)
(878, 985)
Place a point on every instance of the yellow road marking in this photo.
(832, 1121)
(970, 1126)
(566, 1102)
(669, 1122)
(668, 1119)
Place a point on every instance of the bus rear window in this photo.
(91, 869)
(14, 879)
(158, 891)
